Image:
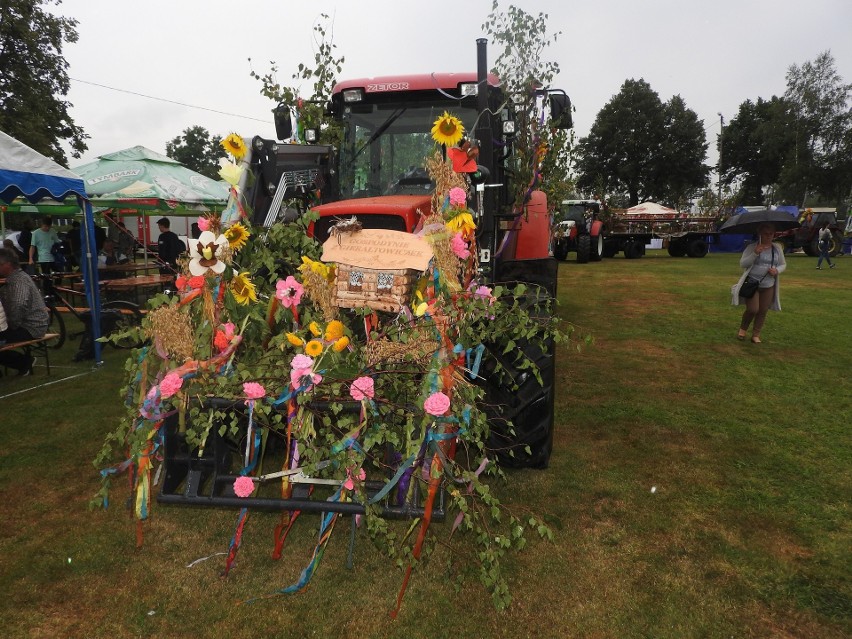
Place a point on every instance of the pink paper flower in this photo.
(289, 292)
(484, 292)
(458, 197)
(349, 484)
(253, 390)
(170, 385)
(436, 404)
(203, 223)
(301, 361)
(459, 247)
(362, 388)
(243, 486)
(299, 375)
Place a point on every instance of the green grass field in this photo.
(699, 487)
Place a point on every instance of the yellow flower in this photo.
(340, 344)
(421, 309)
(314, 329)
(334, 330)
(462, 223)
(234, 145)
(237, 235)
(230, 172)
(323, 270)
(313, 348)
(243, 288)
(448, 130)
(294, 339)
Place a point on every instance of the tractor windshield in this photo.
(385, 147)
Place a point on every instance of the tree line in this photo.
(789, 149)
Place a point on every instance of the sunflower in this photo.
(243, 288)
(462, 223)
(334, 330)
(314, 328)
(234, 145)
(340, 344)
(237, 235)
(447, 130)
(313, 348)
(295, 340)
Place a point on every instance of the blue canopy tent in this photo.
(26, 173)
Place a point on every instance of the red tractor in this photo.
(375, 175)
(806, 237)
(579, 230)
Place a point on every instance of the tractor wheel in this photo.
(632, 250)
(677, 248)
(610, 249)
(519, 408)
(584, 248)
(836, 247)
(560, 249)
(697, 248)
(597, 248)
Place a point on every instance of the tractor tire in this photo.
(697, 248)
(597, 248)
(677, 248)
(584, 249)
(560, 249)
(610, 249)
(632, 250)
(519, 408)
(836, 246)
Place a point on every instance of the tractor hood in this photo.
(393, 212)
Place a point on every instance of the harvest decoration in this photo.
(379, 409)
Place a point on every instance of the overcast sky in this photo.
(195, 52)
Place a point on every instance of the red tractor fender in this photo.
(596, 229)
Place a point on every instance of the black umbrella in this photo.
(749, 221)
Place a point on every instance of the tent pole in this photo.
(90, 275)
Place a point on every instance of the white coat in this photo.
(746, 262)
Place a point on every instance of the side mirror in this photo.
(560, 111)
(283, 122)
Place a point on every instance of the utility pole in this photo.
(719, 168)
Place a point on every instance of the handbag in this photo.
(749, 287)
(751, 284)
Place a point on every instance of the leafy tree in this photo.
(682, 170)
(643, 148)
(756, 145)
(196, 150)
(34, 78)
(522, 40)
(823, 118)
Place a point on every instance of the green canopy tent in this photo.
(141, 182)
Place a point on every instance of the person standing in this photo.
(763, 260)
(824, 243)
(41, 250)
(25, 240)
(169, 247)
(26, 314)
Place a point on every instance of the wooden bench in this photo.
(38, 346)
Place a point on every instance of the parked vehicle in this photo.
(372, 175)
(683, 234)
(806, 237)
(579, 230)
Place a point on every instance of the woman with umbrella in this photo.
(764, 261)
